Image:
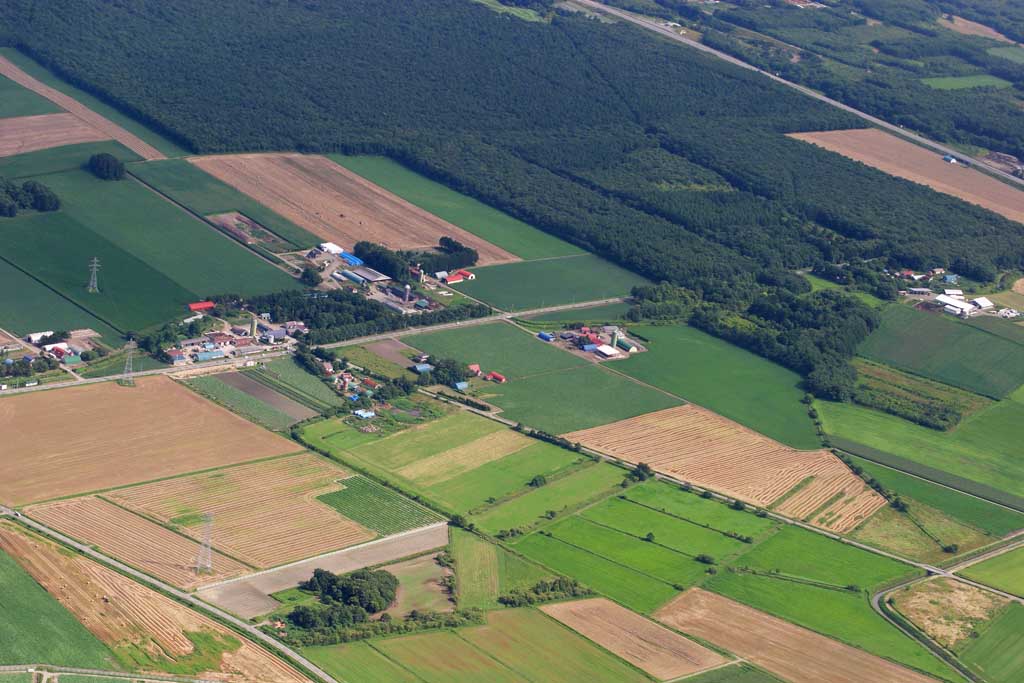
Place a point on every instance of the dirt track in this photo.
(104, 127)
(337, 205)
(30, 133)
(789, 651)
(897, 157)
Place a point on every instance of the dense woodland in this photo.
(31, 194)
(683, 174)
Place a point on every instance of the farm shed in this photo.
(369, 274)
(546, 336)
(626, 345)
(461, 386)
(348, 274)
(474, 368)
(982, 303)
(331, 248)
(590, 348)
(441, 275)
(177, 357)
(364, 414)
(36, 337)
(201, 306)
(423, 304)
(452, 279)
(497, 377)
(465, 274)
(422, 368)
(397, 308)
(919, 290)
(351, 259)
(209, 355)
(958, 293)
(607, 351)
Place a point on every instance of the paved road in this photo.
(669, 33)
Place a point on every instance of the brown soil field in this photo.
(30, 133)
(652, 648)
(947, 610)
(897, 157)
(265, 513)
(135, 541)
(973, 28)
(786, 650)
(81, 439)
(248, 385)
(469, 456)
(701, 447)
(104, 127)
(126, 615)
(332, 202)
(391, 349)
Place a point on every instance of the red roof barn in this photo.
(201, 306)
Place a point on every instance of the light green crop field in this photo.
(933, 346)
(37, 628)
(358, 662)
(726, 379)
(57, 159)
(637, 591)
(549, 282)
(737, 673)
(374, 363)
(485, 571)
(377, 507)
(114, 364)
(496, 227)
(34, 69)
(238, 401)
(1014, 54)
(668, 499)
(16, 100)
(1005, 572)
(523, 13)
(190, 186)
(288, 372)
(818, 284)
(444, 657)
(602, 313)
(1006, 329)
(963, 82)
(561, 494)
(998, 653)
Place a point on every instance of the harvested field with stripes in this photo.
(448, 464)
(793, 653)
(135, 541)
(30, 133)
(139, 624)
(701, 447)
(644, 644)
(265, 513)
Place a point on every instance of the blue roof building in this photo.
(209, 355)
(461, 386)
(422, 368)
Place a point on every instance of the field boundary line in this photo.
(128, 676)
(739, 661)
(400, 665)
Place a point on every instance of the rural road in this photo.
(669, 33)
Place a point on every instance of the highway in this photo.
(655, 27)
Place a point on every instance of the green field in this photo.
(561, 494)
(602, 313)
(190, 186)
(35, 70)
(358, 662)
(377, 507)
(963, 82)
(36, 628)
(57, 159)
(496, 227)
(373, 363)
(287, 375)
(726, 379)
(238, 401)
(1005, 572)
(1001, 328)
(818, 284)
(16, 100)
(444, 657)
(114, 364)
(549, 282)
(1014, 54)
(998, 653)
(485, 571)
(738, 673)
(942, 349)
(668, 499)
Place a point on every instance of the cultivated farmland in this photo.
(997, 654)
(378, 507)
(791, 652)
(134, 540)
(654, 649)
(29, 133)
(336, 204)
(236, 400)
(1005, 572)
(486, 571)
(265, 394)
(108, 436)
(358, 662)
(972, 28)
(288, 524)
(906, 160)
(16, 100)
(698, 446)
(288, 377)
(57, 159)
(947, 610)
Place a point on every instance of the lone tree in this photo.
(106, 166)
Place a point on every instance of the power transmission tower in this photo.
(204, 563)
(126, 378)
(94, 270)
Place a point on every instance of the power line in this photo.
(94, 270)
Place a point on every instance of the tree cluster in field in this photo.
(553, 439)
(25, 368)
(416, 620)
(465, 400)
(106, 166)
(30, 194)
(447, 371)
(561, 588)
(450, 255)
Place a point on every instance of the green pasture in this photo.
(600, 314)
(17, 100)
(1014, 54)
(1006, 329)
(59, 159)
(114, 364)
(358, 661)
(964, 82)
(818, 284)
(193, 187)
(288, 372)
(444, 657)
(404, 448)
(998, 652)
(724, 378)
(668, 499)
(496, 227)
(946, 350)
(549, 282)
(1005, 572)
(377, 507)
(37, 628)
(485, 571)
(358, 355)
(236, 400)
(738, 673)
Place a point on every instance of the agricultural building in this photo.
(546, 336)
(924, 291)
(423, 304)
(956, 293)
(567, 335)
(397, 308)
(331, 248)
(351, 259)
(474, 369)
(955, 306)
(369, 274)
(201, 306)
(36, 337)
(220, 338)
(590, 348)
(496, 377)
(950, 278)
(176, 356)
(294, 327)
(441, 275)
(453, 278)
(461, 386)
(465, 274)
(364, 414)
(626, 345)
(349, 275)
(982, 303)
(248, 350)
(606, 351)
(209, 355)
(422, 368)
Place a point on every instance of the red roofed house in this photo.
(201, 306)
(370, 383)
(474, 368)
(496, 377)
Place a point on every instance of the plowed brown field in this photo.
(125, 614)
(704, 448)
(135, 541)
(82, 439)
(644, 644)
(29, 133)
(789, 651)
(264, 513)
(906, 160)
(104, 127)
(336, 204)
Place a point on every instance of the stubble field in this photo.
(30, 133)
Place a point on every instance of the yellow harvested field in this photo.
(701, 447)
(264, 513)
(793, 653)
(654, 649)
(947, 610)
(906, 160)
(23, 134)
(104, 127)
(129, 617)
(98, 436)
(444, 466)
(337, 205)
(973, 28)
(138, 542)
